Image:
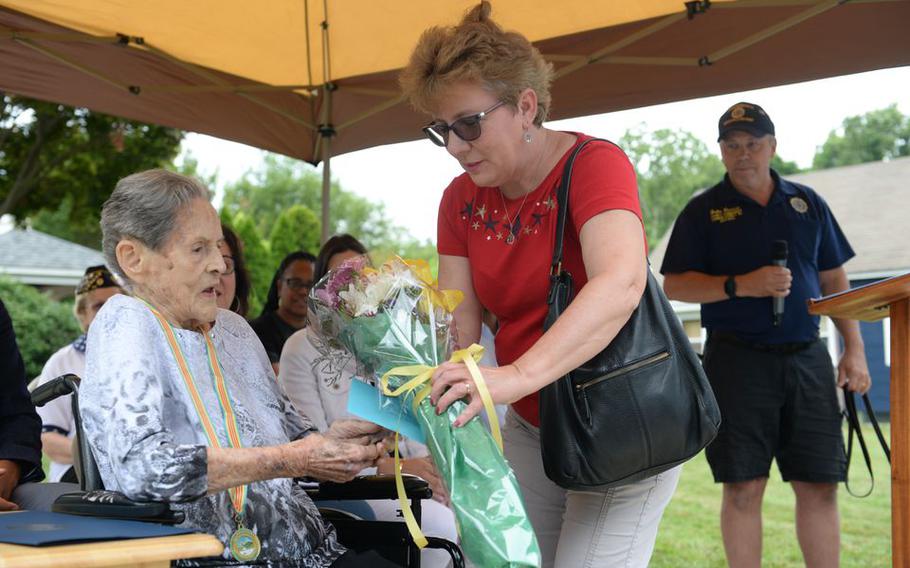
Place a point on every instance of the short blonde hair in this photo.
(476, 51)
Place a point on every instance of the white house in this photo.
(49, 263)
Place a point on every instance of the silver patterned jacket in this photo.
(149, 442)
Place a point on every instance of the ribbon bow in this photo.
(419, 388)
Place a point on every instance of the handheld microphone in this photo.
(779, 253)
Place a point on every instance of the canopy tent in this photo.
(311, 78)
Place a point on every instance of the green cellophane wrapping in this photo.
(492, 522)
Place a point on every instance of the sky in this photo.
(410, 177)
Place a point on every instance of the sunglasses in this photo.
(467, 127)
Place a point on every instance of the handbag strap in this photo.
(562, 200)
(853, 426)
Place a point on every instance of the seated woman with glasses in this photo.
(233, 287)
(179, 403)
(285, 307)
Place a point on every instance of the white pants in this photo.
(611, 528)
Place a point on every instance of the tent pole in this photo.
(326, 186)
(326, 132)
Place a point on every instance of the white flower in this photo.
(377, 291)
(356, 302)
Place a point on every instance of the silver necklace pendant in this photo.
(510, 239)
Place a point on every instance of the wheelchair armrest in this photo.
(370, 487)
(114, 505)
(450, 547)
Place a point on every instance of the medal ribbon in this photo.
(237, 494)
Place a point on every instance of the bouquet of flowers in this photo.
(393, 319)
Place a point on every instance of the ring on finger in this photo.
(467, 388)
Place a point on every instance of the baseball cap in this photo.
(747, 117)
(96, 277)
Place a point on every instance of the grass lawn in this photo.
(690, 531)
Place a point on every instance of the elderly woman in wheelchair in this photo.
(179, 403)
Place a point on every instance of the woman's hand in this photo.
(453, 381)
(422, 468)
(331, 459)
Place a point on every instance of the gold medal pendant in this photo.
(245, 545)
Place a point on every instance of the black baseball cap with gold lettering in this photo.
(747, 117)
(96, 277)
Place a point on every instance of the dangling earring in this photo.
(527, 137)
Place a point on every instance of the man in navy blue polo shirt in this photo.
(771, 374)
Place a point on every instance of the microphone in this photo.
(779, 253)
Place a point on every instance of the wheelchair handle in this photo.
(55, 388)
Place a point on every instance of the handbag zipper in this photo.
(623, 370)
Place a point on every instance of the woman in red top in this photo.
(487, 92)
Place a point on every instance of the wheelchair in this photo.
(390, 539)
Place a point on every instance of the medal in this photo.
(244, 545)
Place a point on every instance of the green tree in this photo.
(63, 222)
(409, 248)
(671, 165)
(59, 164)
(189, 166)
(296, 228)
(265, 194)
(881, 134)
(258, 259)
(784, 167)
(281, 183)
(42, 325)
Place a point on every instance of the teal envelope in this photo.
(368, 402)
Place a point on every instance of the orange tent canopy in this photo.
(286, 74)
(309, 78)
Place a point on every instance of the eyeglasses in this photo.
(467, 127)
(228, 265)
(297, 284)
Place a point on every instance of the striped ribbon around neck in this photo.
(237, 494)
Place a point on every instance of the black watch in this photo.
(730, 286)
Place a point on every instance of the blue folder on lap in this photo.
(37, 528)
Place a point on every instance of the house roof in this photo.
(868, 201)
(40, 259)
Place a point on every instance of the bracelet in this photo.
(730, 287)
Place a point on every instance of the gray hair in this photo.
(144, 207)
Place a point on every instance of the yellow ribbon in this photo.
(419, 386)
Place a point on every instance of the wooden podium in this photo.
(870, 303)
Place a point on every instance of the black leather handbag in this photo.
(640, 407)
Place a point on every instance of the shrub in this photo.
(42, 324)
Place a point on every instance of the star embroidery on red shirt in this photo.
(550, 203)
(481, 211)
(475, 225)
(489, 225)
(538, 217)
(527, 230)
(499, 236)
(468, 209)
